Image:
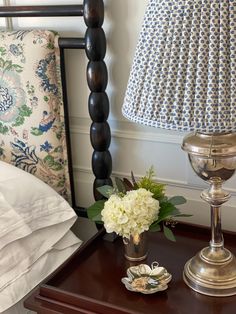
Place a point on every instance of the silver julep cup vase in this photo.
(136, 247)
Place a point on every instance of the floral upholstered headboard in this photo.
(32, 132)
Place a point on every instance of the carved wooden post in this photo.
(100, 135)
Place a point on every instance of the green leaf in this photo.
(166, 210)
(25, 111)
(120, 185)
(17, 68)
(105, 190)
(61, 183)
(164, 199)
(19, 121)
(177, 200)
(168, 234)
(49, 160)
(59, 135)
(50, 45)
(155, 227)
(36, 131)
(94, 210)
(3, 129)
(97, 218)
(3, 51)
(147, 182)
(8, 65)
(2, 62)
(58, 149)
(56, 166)
(175, 212)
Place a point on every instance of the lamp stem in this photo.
(217, 239)
(216, 196)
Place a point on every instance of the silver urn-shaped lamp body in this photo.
(213, 158)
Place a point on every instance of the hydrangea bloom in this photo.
(131, 214)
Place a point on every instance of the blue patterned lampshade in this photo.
(183, 75)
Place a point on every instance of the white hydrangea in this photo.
(131, 214)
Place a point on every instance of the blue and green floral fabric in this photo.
(32, 130)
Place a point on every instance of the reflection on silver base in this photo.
(212, 272)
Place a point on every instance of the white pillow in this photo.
(17, 257)
(45, 265)
(33, 217)
(27, 204)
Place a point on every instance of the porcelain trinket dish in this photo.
(145, 279)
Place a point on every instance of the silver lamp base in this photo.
(212, 272)
(213, 157)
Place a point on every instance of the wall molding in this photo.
(129, 131)
(81, 126)
(170, 183)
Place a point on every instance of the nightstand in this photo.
(90, 281)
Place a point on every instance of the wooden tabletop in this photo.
(90, 282)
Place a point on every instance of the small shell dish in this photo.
(145, 279)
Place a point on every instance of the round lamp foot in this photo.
(212, 272)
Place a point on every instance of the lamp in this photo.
(183, 77)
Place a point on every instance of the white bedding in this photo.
(35, 236)
(39, 271)
(19, 309)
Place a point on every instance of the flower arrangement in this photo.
(129, 214)
(132, 207)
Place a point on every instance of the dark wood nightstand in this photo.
(90, 281)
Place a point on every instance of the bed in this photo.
(37, 191)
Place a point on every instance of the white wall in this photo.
(134, 147)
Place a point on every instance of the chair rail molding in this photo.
(122, 138)
(127, 130)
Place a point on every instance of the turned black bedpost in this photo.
(98, 103)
